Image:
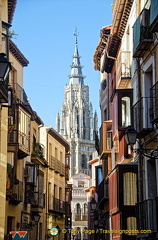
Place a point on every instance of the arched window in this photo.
(84, 161)
(85, 208)
(78, 123)
(78, 212)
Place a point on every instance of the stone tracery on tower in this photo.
(77, 122)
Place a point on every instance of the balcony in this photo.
(154, 103)
(154, 15)
(39, 201)
(20, 94)
(37, 156)
(102, 191)
(15, 194)
(142, 35)
(56, 205)
(123, 69)
(51, 162)
(77, 217)
(56, 165)
(62, 169)
(105, 138)
(142, 117)
(20, 141)
(146, 215)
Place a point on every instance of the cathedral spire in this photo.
(76, 76)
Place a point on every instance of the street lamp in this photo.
(5, 67)
(131, 138)
(93, 204)
(36, 217)
(130, 135)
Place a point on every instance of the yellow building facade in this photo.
(56, 152)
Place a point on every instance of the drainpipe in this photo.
(140, 160)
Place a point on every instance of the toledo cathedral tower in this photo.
(77, 123)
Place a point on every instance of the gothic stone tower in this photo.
(77, 122)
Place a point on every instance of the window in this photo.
(99, 175)
(78, 214)
(130, 188)
(24, 129)
(124, 107)
(80, 183)
(84, 161)
(131, 225)
(56, 152)
(31, 173)
(61, 157)
(126, 113)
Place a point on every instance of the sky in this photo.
(44, 34)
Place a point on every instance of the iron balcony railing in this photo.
(142, 116)
(84, 217)
(15, 194)
(142, 35)
(77, 217)
(154, 103)
(57, 165)
(56, 205)
(20, 93)
(146, 215)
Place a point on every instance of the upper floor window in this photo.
(80, 183)
(126, 113)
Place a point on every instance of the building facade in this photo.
(30, 168)
(58, 211)
(117, 192)
(126, 56)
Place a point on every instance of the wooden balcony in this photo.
(142, 116)
(105, 138)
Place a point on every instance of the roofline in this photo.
(11, 10)
(57, 136)
(17, 54)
